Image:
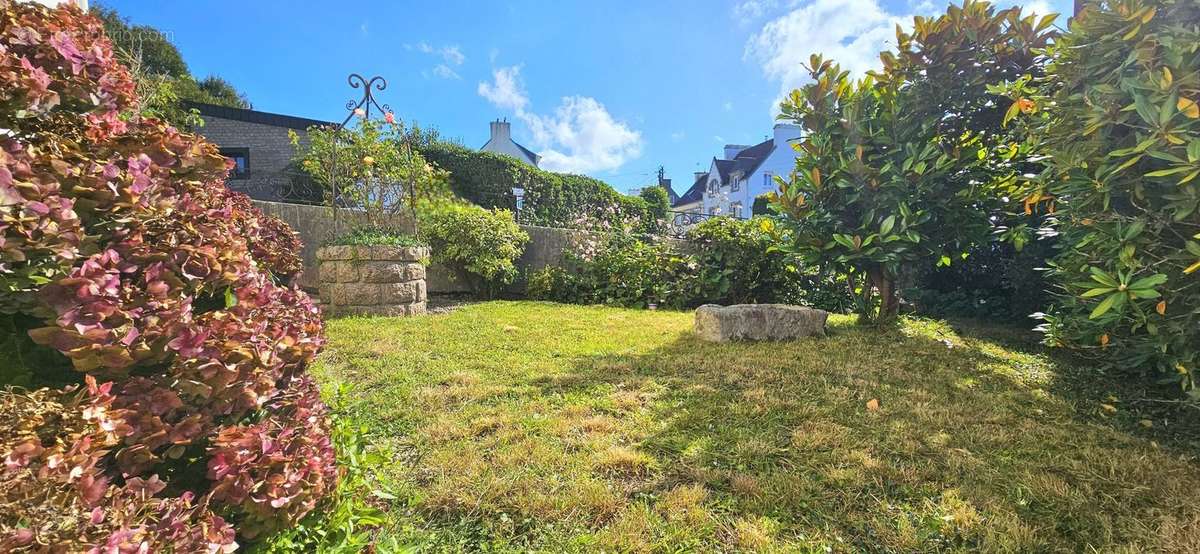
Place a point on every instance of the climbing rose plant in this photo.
(192, 422)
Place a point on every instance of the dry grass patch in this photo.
(594, 429)
(623, 460)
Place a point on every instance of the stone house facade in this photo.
(259, 144)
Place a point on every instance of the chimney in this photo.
(700, 174)
(785, 133)
(501, 131)
(731, 150)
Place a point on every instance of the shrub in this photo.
(658, 203)
(552, 199)
(736, 261)
(996, 281)
(629, 271)
(728, 261)
(123, 256)
(482, 244)
(370, 236)
(1118, 119)
(907, 166)
(374, 166)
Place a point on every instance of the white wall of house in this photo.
(501, 142)
(736, 197)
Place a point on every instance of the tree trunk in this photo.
(889, 304)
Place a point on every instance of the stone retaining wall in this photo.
(372, 280)
(314, 224)
(547, 246)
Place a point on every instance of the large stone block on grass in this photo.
(759, 322)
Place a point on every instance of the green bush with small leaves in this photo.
(726, 261)
(482, 244)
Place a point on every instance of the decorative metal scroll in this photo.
(292, 187)
(679, 223)
(361, 108)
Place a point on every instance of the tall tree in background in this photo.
(164, 80)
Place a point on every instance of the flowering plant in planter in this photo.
(375, 168)
(124, 258)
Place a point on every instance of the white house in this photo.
(741, 174)
(501, 142)
(692, 200)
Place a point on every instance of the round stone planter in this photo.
(372, 280)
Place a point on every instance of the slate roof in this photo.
(748, 160)
(255, 116)
(533, 158)
(693, 194)
(724, 169)
(530, 156)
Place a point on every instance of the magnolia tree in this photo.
(910, 164)
(1118, 119)
(125, 259)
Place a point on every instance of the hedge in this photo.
(551, 199)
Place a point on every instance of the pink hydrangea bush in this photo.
(172, 298)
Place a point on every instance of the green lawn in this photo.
(515, 426)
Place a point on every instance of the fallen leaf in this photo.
(1188, 107)
(1109, 408)
(873, 404)
(1146, 423)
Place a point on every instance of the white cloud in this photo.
(1037, 6)
(678, 136)
(727, 106)
(444, 71)
(451, 56)
(505, 90)
(749, 10)
(851, 32)
(580, 136)
(719, 139)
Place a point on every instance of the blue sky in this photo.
(609, 89)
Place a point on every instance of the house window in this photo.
(241, 162)
(735, 209)
(767, 180)
(737, 184)
(713, 186)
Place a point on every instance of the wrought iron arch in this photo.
(361, 108)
